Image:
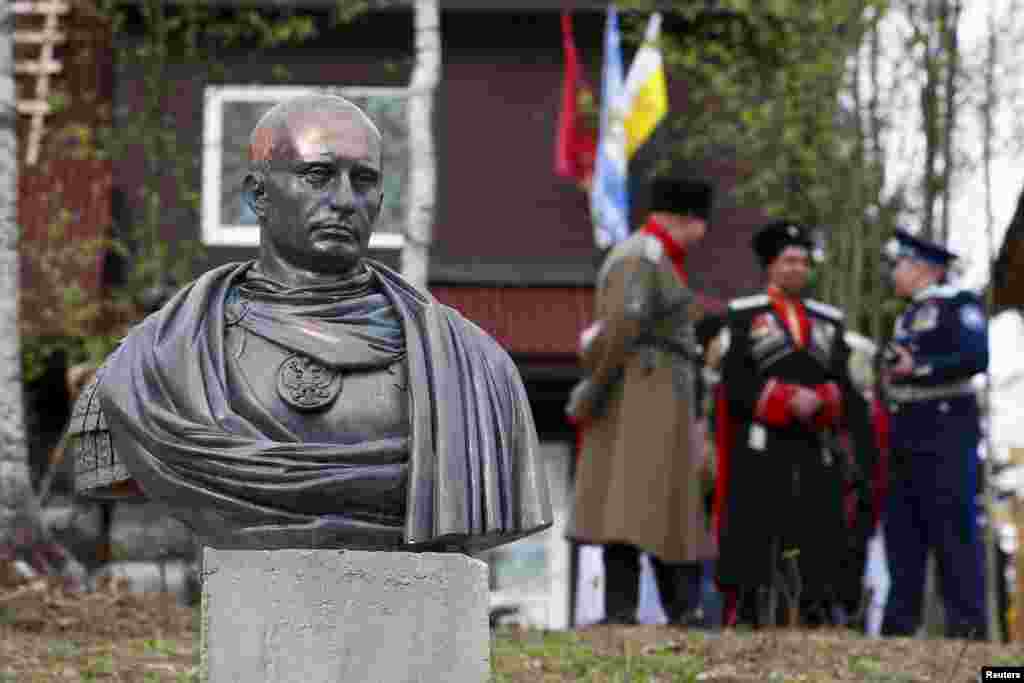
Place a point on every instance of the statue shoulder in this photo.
(86, 415)
(479, 341)
(99, 473)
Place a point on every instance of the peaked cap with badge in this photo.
(904, 245)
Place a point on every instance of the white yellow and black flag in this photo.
(646, 94)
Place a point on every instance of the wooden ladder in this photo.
(42, 68)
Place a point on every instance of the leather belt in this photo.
(912, 394)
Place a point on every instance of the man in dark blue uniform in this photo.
(940, 343)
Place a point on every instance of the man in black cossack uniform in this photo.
(785, 394)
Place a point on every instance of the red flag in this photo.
(576, 142)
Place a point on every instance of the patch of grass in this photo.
(99, 666)
(1009, 660)
(191, 676)
(540, 654)
(866, 666)
(872, 670)
(160, 648)
(63, 649)
(8, 616)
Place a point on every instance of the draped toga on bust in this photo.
(360, 415)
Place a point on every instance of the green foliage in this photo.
(65, 316)
(776, 86)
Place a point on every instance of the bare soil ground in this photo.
(657, 653)
(814, 655)
(47, 634)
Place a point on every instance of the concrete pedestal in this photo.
(340, 616)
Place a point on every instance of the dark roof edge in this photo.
(512, 275)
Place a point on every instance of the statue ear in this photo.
(255, 193)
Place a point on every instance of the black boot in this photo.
(766, 606)
(621, 584)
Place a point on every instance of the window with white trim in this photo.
(230, 114)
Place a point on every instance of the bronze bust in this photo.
(314, 398)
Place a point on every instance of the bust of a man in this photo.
(313, 398)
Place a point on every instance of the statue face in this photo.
(320, 195)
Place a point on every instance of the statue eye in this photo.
(365, 179)
(317, 176)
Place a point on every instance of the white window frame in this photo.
(216, 233)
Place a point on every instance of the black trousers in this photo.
(678, 584)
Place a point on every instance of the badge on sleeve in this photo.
(972, 317)
(901, 326)
(926, 318)
(765, 325)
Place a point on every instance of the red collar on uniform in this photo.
(782, 304)
(676, 252)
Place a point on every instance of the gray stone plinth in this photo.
(340, 616)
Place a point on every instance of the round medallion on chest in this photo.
(305, 384)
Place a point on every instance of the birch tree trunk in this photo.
(878, 163)
(950, 25)
(15, 491)
(995, 626)
(423, 175)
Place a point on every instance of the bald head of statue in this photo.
(315, 184)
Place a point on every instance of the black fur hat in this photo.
(773, 237)
(682, 196)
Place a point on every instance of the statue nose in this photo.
(342, 196)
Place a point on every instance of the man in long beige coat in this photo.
(637, 487)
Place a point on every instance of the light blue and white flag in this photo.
(609, 192)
